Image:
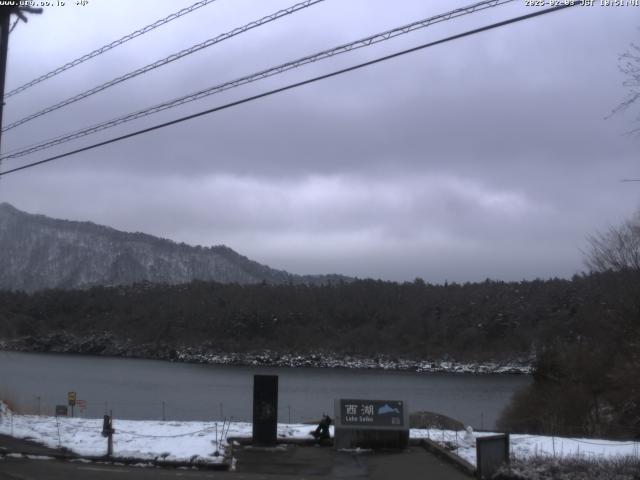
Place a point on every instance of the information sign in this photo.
(372, 413)
(61, 411)
(367, 423)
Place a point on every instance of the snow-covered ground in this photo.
(149, 440)
(527, 446)
(198, 441)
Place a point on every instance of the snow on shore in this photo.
(326, 360)
(106, 344)
(196, 441)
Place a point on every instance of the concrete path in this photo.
(322, 462)
(286, 462)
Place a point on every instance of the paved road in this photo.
(286, 462)
(23, 469)
(255, 464)
(12, 444)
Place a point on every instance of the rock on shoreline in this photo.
(106, 344)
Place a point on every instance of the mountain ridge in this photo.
(39, 252)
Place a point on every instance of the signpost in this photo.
(62, 411)
(371, 424)
(71, 397)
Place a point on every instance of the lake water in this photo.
(149, 389)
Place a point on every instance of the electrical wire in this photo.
(109, 46)
(165, 61)
(294, 85)
(329, 53)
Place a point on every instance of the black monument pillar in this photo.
(265, 409)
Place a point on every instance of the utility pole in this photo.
(5, 13)
(5, 22)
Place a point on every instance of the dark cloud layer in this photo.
(485, 157)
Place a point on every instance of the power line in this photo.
(164, 61)
(295, 85)
(329, 53)
(109, 46)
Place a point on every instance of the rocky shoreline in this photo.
(107, 344)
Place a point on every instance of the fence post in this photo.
(107, 431)
(57, 425)
(110, 444)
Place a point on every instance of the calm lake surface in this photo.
(147, 389)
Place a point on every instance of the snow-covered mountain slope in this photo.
(38, 252)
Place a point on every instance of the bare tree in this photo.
(630, 67)
(616, 249)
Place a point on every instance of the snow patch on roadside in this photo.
(170, 441)
(531, 446)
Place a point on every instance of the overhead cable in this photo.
(164, 61)
(329, 53)
(293, 85)
(109, 46)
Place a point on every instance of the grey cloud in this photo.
(485, 157)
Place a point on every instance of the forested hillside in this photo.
(485, 320)
(583, 333)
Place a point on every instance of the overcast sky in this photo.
(489, 156)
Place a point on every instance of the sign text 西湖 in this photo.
(374, 413)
